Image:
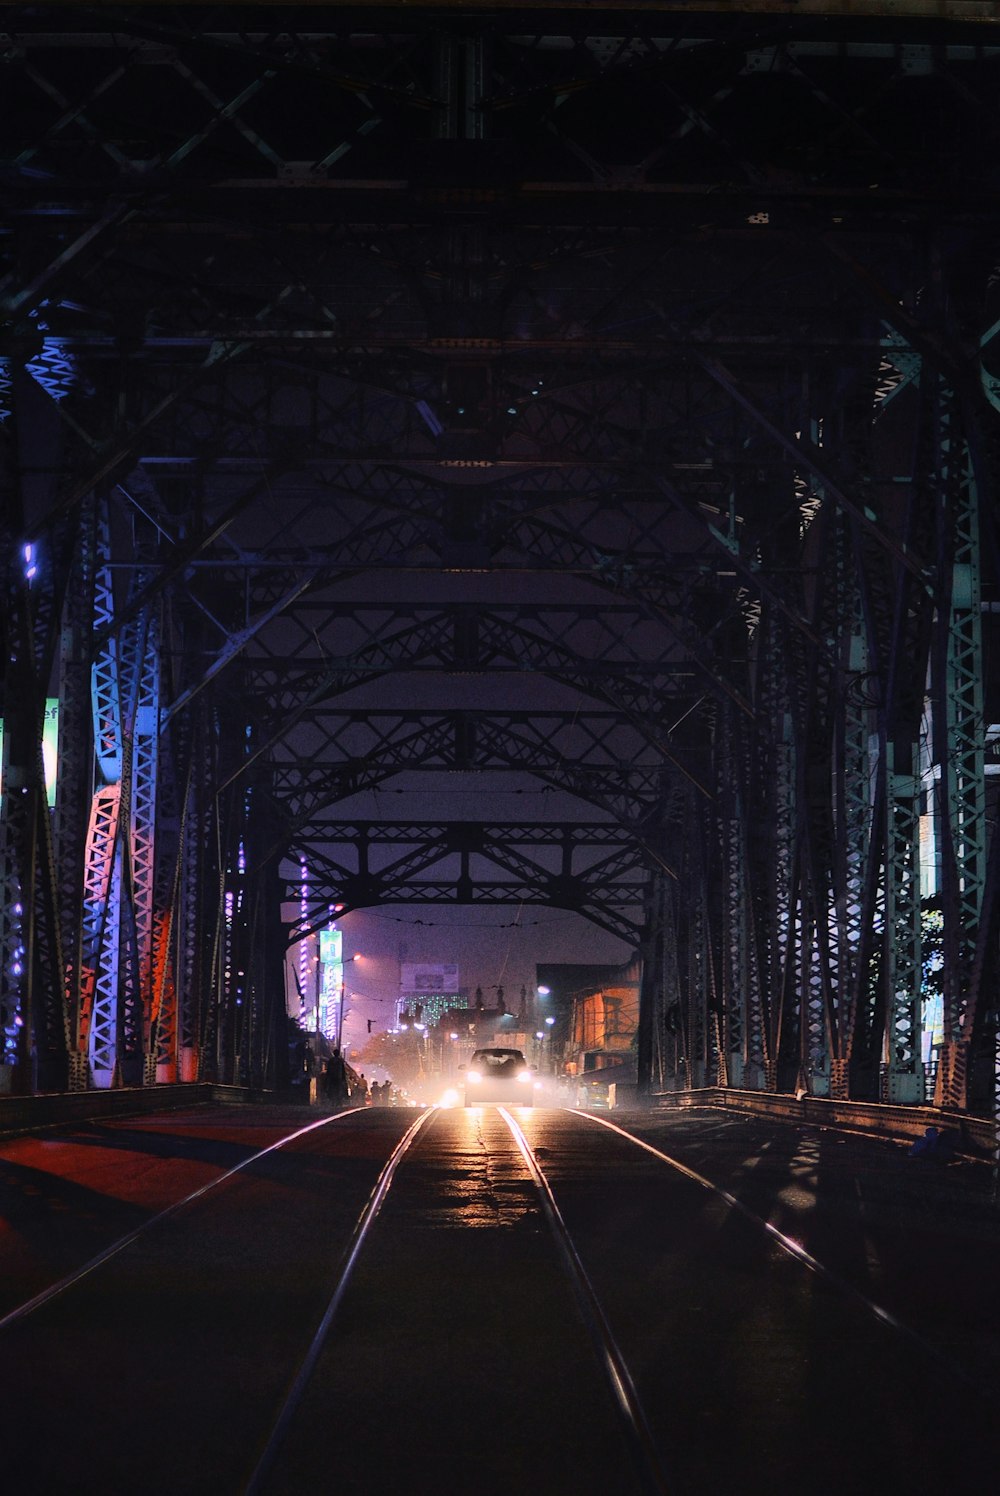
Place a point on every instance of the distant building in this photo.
(605, 1021)
(596, 1008)
(423, 1007)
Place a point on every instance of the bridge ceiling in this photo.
(468, 384)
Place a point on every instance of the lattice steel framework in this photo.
(606, 406)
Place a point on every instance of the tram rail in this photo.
(505, 1169)
(68, 1280)
(796, 1250)
(365, 1222)
(649, 1461)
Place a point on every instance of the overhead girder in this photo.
(593, 755)
(591, 868)
(540, 85)
(665, 401)
(465, 642)
(628, 572)
(622, 570)
(372, 540)
(632, 573)
(464, 638)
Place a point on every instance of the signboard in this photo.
(50, 744)
(428, 976)
(331, 944)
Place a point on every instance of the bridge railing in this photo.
(975, 1137)
(20, 1114)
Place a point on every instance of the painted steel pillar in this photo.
(901, 945)
(959, 738)
(852, 816)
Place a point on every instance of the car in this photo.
(499, 1075)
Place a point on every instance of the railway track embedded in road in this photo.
(551, 1258)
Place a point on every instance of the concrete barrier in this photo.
(976, 1137)
(20, 1114)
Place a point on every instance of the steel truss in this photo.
(373, 414)
(597, 868)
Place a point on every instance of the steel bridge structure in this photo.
(599, 399)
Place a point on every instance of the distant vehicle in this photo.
(592, 1093)
(593, 1087)
(499, 1075)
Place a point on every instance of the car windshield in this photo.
(498, 1061)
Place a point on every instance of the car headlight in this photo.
(524, 1076)
(473, 1075)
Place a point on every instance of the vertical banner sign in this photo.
(331, 959)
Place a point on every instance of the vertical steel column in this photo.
(143, 742)
(98, 1036)
(852, 812)
(757, 893)
(188, 941)
(691, 1018)
(135, 918)
(886, 1001)
(696, 1017)
(103, 861)
(168, 919)
(736, 973)
(819, 594)
(958, 736)
(650, 992)
(216, 925)
(663, 960)
(459, 80)
(901, 943)
(76, 774)
(772, 851)
(784, 932)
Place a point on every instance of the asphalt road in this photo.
(794, 1305)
